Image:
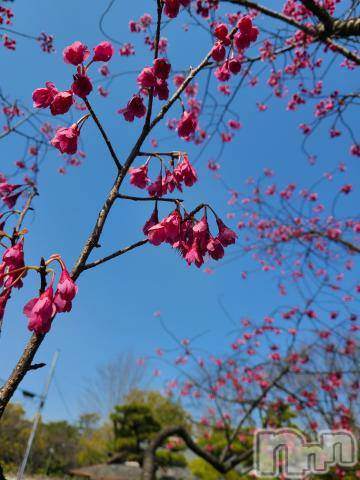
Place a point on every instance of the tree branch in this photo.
(19, 372)
(149, 199)
(115, 254)
(322, 14)
(149, 465)
(350, 246)
(317, 32)
(103, 133)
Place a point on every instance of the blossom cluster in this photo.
(166, 182)
(60, 102)
(246, 34)
(154, 78)
(9, 192)
(191, 238)
(172, 7)
(40, 310)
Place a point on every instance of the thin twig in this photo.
(103, 133)
(114, 255)
(149, 199)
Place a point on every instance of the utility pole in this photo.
(38, 416)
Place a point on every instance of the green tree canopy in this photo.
(139, 420)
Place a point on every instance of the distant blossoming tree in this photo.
(286, 229)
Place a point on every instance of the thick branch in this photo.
(19, 372)
(347, 28)
(149, 465)
(350, 246)
(321, 13)
(160, 154)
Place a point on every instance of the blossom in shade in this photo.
(215, 248)
(201, 233)
(82, 85)
(226, 235)
(161, 90)
(76, 53)
(157, 188)
(234, 65)
(193, 255)
(161, 68)
(172, 225)
(4, 297)
(103, 52)
(187, 125)
(171, 8)
(152, 221)
(134, 108)
(66, 139)
(40, 312)
(11, 199)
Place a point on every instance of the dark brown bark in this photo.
(19, 372)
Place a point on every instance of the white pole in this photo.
(38, 416)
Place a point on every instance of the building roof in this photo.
(126, 472)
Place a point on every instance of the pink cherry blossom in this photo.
(187, 125)
(42, 97)
(171, 8)
(161, 68)
(103, 52)
(65, 292)
(147, 78)
(139, 176)
(40, 312)
(186, 172)
(76, 53)
(66, 139)
(226, 235)
(61, 103)
(218, 52)
(151, 222)
(134, 108)
(221, 32)
(157, 234)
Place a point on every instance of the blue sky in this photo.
(114, 309)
